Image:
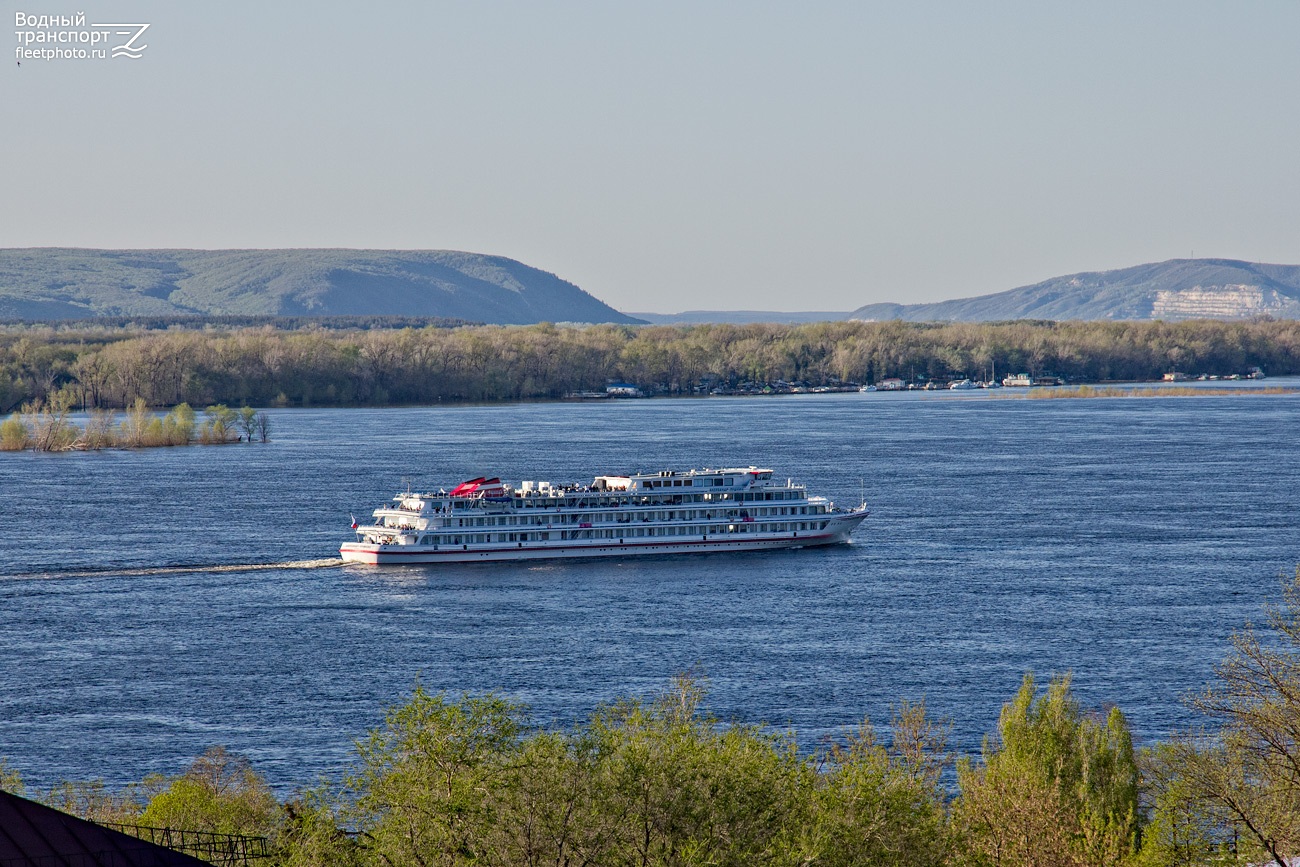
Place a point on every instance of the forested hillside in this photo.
(54, 283)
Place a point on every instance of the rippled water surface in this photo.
(154, 603)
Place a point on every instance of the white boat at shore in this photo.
(670, 512)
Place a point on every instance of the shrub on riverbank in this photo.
(14, 434)
(45, 426)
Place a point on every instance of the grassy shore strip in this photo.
(44, 426)
(1084, 391)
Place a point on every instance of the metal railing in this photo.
(235, 850)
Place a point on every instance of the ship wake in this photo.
(181, 569)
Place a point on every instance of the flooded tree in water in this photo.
(263, 425)
(247, 422)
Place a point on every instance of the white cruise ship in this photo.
(615, 516)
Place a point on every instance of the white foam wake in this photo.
(185, 569)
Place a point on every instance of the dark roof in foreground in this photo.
(34, 835)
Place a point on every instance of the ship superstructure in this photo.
(669, 512)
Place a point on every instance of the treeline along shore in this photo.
(468, 780)
(93, 366)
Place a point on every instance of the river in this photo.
(154, 603)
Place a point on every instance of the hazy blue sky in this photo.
(670, 156)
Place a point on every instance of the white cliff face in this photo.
(1231, 301)
(1172, 290)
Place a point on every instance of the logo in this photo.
(69, 37)
(127, 48)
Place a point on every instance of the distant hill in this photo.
(1177, 289)
(57, 283)
(737, 317)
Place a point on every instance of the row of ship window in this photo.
(630, 533)
(501, 521)
(679, 483)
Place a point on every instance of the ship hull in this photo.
(837, 532)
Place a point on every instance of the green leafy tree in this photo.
(680, 789)
(881, 806)
(313, 834)
(548, 806)
(1183, 828)
(135, 426)
(247, 422)
(1240, 783)
(1055, 786)
(219, 425)
(220, 793)
(459, 782)
(178, 425)
(423, 777)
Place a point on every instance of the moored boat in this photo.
(670, 512)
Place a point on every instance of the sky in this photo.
(669, 156)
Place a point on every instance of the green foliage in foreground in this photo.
(220, 794)
(467, 781)
(1055, 786)
(1237, 786)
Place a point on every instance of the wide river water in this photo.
(1119, 539)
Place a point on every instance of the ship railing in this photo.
(398, 510)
